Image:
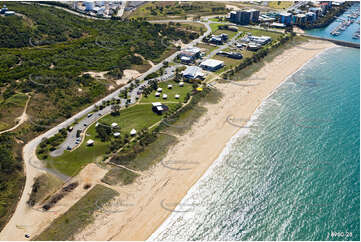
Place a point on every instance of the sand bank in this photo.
(143, 203)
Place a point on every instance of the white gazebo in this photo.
(133, 132)
(90, 142)
(165, 96)
(170, 86)
(159, 89)
(181, 84)
(157, 94)
(114, 125)
(177, 96)
(116, 134)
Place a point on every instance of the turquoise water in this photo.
(294, 174)
(345, 35)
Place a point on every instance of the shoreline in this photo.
(146, 215)
(241, 132)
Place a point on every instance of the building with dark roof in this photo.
(242, 17)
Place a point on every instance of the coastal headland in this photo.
(147, 197)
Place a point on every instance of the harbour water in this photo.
(344, 35)
(294, 174)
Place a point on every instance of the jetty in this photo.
(337, 42)
(345, 23)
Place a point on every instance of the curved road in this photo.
(29, 155)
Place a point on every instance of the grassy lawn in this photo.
(260, 32)
(137, 117)
(182, 91)
(198, 27)
(228, 62)
(215, 20)
(78, 216)
(208, 48)
(118, 175)
(214, 26)
(280, 4)
(231, 34)
(70, 163)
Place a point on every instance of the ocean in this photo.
(294, 172)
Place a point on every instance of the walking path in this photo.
(22, 118)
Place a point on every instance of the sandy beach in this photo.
(144, 205)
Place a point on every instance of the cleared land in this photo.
(208, 48)
(280, 4)
(198, 27)
(177, 10)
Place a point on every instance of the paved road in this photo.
(297, 5)
(121, 10)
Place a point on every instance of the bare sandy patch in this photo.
(34, 220)
(127, 76)
(97, 75)
(232, 7)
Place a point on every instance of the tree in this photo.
(115, 109)
(103, 132)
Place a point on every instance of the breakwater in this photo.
(337, 42)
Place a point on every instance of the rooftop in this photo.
(285, 14)
(157, 104)
(212, 63)
(192, 71)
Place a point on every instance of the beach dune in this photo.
(151, 198)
